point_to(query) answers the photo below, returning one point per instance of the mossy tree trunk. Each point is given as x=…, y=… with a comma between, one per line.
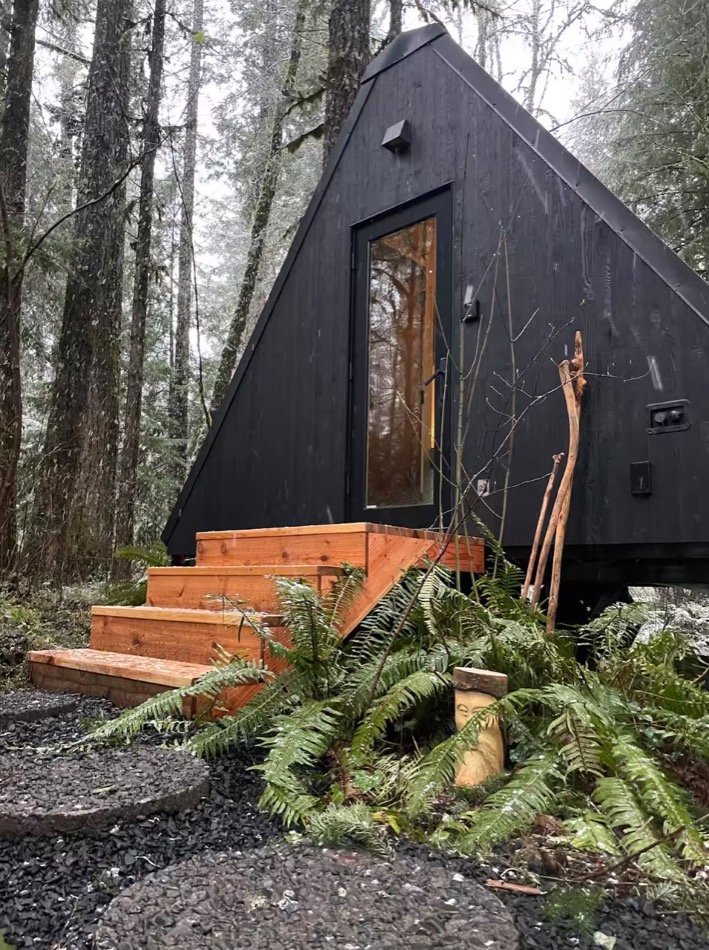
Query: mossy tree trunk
x=14, y=139
x=348, y=54
x=180, y=381
x=74, y=503
x=128, y=471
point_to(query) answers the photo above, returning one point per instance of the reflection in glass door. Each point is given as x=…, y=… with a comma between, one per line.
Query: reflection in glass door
x=401, y=397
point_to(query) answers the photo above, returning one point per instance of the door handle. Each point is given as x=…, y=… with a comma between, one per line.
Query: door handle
x=427, y=382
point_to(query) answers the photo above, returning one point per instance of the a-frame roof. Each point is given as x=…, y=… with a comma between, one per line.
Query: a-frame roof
x=688, y=286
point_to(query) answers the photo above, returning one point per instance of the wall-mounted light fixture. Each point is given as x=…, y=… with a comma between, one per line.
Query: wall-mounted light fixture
x=471, y=306
x=397, y=137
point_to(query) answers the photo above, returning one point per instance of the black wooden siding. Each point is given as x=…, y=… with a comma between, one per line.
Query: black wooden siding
x=279, y=455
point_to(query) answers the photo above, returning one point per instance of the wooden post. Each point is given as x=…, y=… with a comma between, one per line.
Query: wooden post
x=475, y=689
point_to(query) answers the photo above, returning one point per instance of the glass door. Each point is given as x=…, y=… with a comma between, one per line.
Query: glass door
x=402, y=290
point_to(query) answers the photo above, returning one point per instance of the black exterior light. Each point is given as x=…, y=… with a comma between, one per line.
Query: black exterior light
x=397, y=137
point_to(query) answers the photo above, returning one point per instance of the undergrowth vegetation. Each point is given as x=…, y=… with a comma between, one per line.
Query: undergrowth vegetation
x=36, y=620
x=357, y=742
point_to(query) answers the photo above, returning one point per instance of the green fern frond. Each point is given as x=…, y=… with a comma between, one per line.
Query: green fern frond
x=434, y=581
x=291, y=803
x=340, y=596
x=299, y=738
x=531, y=791
x=386, y=617
x=662, y=799
x=674, y=729
x=367, y=683
x=171, y=703
x=609, y=634
x=580, y=738
x=342, y=825
x=219, y=737
x=401, y=698
x=622, y=812
x=385, y=779
x=589, y=833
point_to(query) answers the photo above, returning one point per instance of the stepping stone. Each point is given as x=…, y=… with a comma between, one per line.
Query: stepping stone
x=46, y=793
x=299, y=896
x=30, y=705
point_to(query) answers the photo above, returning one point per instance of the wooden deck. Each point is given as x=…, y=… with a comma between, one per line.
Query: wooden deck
x=136, y=652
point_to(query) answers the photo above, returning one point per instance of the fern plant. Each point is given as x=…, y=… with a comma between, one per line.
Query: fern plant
x=356, y=737
x=132, y=592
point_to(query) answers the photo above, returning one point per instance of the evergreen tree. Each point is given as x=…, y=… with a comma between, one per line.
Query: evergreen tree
x=14, y=140
x=659, y=124
x=82, y=433
x=128, y=474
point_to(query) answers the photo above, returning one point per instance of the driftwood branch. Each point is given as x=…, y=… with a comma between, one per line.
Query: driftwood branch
x=573, y=383
x=571, y=373
x=540, y=525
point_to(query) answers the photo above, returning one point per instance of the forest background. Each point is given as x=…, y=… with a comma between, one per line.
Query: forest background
x=155, y=159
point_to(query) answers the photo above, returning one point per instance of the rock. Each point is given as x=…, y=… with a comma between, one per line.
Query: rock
x=28, y=705
x=690, y=620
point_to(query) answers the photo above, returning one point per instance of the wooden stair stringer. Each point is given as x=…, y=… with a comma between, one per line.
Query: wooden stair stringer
x=389, y=557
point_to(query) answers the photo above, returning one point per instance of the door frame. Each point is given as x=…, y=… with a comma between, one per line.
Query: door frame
x=438, y=204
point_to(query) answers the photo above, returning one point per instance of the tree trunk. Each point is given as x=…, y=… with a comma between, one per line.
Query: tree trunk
x=396, y=17
x=5, y=34
x=262, y=213
x=128, y=472
x=348, y=54
x=179, y=393
x=14, y=139
x=535, y=69
x=71, y=529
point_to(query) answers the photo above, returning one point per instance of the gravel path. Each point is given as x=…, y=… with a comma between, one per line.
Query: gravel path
x=303, y=898
x=54, y=890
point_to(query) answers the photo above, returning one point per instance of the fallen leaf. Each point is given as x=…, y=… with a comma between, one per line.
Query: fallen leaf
x=518, y=888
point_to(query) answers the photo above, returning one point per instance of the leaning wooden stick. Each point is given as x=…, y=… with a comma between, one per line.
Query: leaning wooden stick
x=573, y=383
x=571, y=371
x=540, y=525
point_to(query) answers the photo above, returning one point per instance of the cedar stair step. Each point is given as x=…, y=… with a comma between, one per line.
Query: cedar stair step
x=191, y=611
x=123, y=679
x=178, y=633
x=216, y=587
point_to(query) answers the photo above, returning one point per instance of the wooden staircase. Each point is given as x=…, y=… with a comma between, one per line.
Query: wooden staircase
x=136, y=652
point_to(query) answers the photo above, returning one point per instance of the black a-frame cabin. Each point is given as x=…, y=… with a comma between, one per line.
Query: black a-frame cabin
x=448, y=255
